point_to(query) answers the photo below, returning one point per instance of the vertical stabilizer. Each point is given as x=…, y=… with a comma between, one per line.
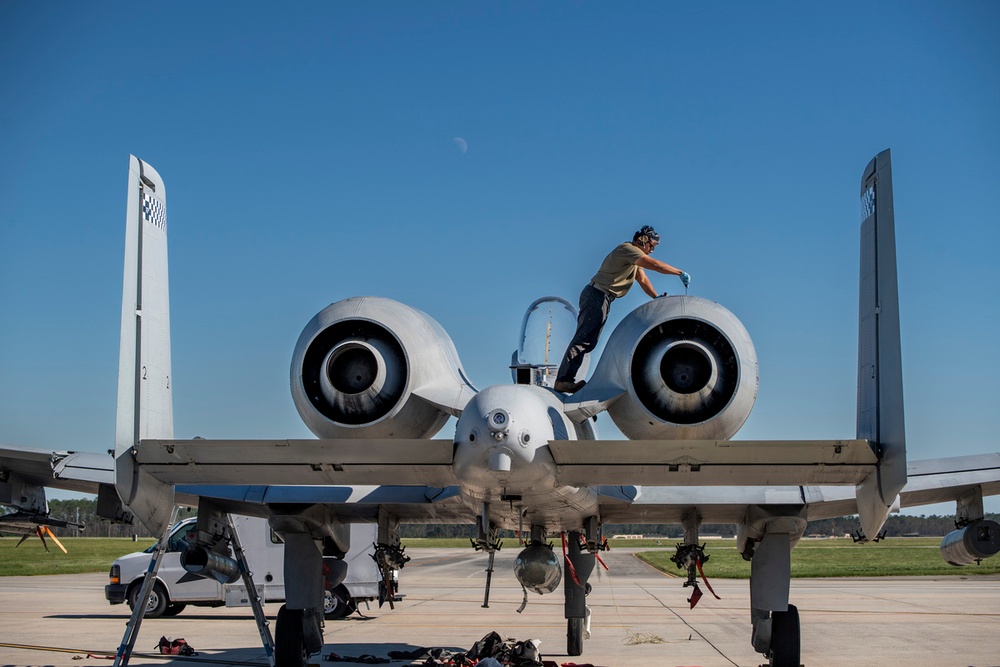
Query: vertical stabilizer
x=880, y=371
x=145, y=404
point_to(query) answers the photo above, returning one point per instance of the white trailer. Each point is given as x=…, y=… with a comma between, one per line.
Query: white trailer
x=175, y=588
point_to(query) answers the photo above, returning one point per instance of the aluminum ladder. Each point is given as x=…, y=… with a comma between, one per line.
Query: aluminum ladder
x=142, y=600
x=256, y=601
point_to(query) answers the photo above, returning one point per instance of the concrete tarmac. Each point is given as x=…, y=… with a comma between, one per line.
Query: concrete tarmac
x=640, y=617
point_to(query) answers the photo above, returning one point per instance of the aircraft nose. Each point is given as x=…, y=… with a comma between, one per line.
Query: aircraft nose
x=498, y=438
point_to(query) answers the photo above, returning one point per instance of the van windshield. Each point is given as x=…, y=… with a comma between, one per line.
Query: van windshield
x=179, y=538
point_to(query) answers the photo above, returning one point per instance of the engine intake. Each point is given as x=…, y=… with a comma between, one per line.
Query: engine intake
x=687, y=369
x=355, y=372
x=370, y=367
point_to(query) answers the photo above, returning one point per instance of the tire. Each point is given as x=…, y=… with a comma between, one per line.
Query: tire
x=289, y=649
x=785, y=638
x=158, y=600
x=174, y=608
x=337, y=603
x=574, y=636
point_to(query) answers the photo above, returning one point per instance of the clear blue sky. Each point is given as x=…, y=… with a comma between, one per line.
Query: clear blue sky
x=310, y=154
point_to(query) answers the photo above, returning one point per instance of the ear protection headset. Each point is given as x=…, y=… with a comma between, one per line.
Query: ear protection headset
x=646, y=235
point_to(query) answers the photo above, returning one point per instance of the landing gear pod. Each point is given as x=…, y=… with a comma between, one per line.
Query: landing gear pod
x=971, y=544
x=537, y=568
x=207, y=563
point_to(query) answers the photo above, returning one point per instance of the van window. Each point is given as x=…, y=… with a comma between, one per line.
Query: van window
x=180, y=539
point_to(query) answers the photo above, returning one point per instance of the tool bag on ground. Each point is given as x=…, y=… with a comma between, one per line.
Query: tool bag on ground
x=177, y=646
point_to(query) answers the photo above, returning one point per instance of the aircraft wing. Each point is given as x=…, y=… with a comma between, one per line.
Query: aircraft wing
x=579, y=462
x=410, y=504
x=73, y=471
x=341, y=462
x=940, y=480
x=929, y=482
x=712, y=462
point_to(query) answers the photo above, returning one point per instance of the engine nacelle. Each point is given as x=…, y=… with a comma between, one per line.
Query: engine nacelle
x=687, y=367
x=370, y=367
x=971, y=544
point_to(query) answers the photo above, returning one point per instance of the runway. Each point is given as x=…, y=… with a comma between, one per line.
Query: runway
x=640, y=617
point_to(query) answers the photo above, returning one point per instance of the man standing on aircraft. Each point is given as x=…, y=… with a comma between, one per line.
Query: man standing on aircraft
x=623, y=266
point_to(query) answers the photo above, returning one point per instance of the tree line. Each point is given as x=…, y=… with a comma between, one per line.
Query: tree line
x=85, y=512
x=897, y=525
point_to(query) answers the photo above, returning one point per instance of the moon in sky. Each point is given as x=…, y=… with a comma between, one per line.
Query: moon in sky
x=462, y=144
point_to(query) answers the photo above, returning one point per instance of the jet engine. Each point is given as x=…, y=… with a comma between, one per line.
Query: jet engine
x=971, y=544
x=686, y=368
x=370, y=367
x=537, y=568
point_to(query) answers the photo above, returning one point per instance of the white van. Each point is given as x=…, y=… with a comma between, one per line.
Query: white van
x=176, y=588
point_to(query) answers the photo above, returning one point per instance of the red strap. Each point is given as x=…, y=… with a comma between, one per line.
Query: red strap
x=598, y=557
x=569, y=563
x=705, y=579
x=695, y=596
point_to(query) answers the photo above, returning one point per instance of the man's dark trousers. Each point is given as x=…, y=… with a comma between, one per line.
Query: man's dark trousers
x=595, y=305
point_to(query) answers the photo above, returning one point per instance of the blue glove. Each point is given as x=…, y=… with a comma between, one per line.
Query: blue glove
x=685, y=278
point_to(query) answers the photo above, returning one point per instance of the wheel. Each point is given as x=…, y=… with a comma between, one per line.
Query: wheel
x=158, y=600
x=337, y=603
x=785, y=638
x=174, y=608
x=289, y=649
x=574, y=636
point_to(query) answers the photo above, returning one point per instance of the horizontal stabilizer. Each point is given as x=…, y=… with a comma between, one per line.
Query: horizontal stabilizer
x=712, y=462
x=312, y=462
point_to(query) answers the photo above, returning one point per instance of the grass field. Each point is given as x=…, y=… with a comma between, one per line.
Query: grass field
x=811, y=558
x=86, y=554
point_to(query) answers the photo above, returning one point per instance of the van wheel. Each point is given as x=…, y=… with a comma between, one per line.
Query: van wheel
x=158, y=600
x=337, y=603
x=174, y=608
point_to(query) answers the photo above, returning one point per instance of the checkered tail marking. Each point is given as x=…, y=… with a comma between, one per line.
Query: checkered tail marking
x=154, y=211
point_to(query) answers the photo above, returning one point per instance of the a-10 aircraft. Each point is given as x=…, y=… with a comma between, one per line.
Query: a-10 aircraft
x=375, y=380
